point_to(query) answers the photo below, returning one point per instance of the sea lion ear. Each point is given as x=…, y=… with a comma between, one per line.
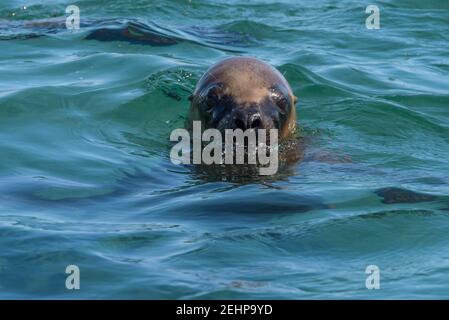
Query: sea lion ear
x=295, y=99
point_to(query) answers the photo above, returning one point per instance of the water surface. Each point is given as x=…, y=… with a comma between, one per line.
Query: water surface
x=86, y=179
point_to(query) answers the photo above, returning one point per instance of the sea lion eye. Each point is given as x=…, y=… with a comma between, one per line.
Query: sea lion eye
x=282, y=104
x=213, y=96
x=280, y=100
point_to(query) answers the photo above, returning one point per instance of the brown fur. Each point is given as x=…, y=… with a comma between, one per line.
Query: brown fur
x=248, y=82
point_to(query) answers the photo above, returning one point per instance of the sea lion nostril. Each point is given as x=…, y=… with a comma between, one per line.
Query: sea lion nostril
x=255, y=122
x=240, y=124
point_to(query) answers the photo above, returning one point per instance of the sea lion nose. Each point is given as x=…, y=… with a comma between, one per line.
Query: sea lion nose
x=255, y=121
x=240, y=121
x=248, y=120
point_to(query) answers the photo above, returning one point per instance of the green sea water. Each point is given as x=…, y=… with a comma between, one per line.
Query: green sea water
x=86, y=178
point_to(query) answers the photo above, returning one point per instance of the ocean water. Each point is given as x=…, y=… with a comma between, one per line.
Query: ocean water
x=86, y=179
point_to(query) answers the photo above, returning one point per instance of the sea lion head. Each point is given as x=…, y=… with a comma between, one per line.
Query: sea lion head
x=244, y=93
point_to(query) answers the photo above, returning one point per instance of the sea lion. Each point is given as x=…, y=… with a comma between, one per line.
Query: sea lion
x=244, y=93
x=131, y=31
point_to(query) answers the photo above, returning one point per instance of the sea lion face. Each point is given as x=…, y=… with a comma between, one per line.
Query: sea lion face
x=244, y=93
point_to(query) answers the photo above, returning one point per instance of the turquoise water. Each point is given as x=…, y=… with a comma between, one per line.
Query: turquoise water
x=86, y=179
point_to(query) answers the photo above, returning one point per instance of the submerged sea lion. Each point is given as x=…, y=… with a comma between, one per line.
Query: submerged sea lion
x=244, y=93
x=124, y=30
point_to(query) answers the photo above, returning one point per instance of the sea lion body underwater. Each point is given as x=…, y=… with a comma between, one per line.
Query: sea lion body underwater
x=244, y=93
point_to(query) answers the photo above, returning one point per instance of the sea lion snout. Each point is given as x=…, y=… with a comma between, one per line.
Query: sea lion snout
x=251, y=118
x=244, y=93
x=246, y=119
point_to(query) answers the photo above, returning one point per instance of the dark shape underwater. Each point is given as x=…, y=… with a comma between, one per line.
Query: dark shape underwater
x=130, y=31
x=398, y=195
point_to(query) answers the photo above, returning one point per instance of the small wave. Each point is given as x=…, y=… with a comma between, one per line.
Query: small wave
x=132, y=31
